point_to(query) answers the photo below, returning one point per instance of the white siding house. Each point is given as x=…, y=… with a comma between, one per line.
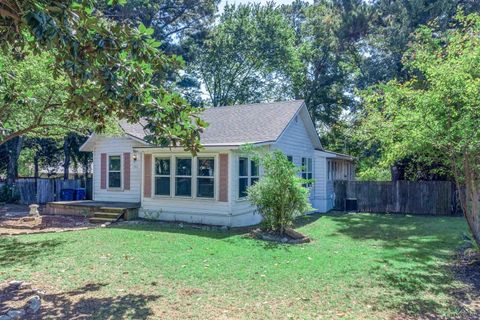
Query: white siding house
x=172, y=185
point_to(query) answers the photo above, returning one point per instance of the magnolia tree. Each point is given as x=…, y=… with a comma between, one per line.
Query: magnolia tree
x=110, y=69
x=279, y=195
x=436, y=114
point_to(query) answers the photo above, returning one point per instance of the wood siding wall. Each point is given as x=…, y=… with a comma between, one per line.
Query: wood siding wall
x=424, y=197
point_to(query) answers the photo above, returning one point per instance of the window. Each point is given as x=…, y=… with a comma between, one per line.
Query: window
x=329, y=171
x=290, y=158
x=248, y=174
x=183, y=177
x=307, y=170
x=206, y=178
x=114, y=172
x=162, y=176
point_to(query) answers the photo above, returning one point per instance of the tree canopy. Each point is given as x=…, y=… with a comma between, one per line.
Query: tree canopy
x=434, y=114
x=111, y=69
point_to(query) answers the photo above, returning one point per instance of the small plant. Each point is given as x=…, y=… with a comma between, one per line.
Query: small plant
x=279, y=195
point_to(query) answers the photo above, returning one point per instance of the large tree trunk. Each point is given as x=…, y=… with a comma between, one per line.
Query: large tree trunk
x=66, y=153
x=468, y=195
x=14, y=149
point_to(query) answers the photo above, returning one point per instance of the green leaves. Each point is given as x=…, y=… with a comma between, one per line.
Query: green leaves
x=110, y=69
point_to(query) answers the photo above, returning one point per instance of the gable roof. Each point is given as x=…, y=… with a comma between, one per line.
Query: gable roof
x=241, y=124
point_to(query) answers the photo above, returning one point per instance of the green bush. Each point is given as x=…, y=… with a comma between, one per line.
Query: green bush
x=279, y=195
x=8, y=194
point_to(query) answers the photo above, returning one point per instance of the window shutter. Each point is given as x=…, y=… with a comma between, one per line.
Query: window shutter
x=126, y=171
x=103, y=171
x=147, y=176
x=223, y=177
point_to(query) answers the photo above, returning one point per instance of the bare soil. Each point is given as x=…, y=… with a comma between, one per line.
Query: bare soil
x=14, y=220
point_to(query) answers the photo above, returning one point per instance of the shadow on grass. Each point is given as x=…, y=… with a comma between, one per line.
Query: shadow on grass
x=413, y=260
x=83, y=303
x=14, y=252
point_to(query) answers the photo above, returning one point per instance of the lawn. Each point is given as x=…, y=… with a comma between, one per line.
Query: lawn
x=359, y=266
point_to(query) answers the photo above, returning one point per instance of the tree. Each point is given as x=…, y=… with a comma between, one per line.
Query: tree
x=112, y=69
x=434, y=115
x=279, y=195
x=329, y=54
x=171, y=21
x=247, y=57
x=33, y=101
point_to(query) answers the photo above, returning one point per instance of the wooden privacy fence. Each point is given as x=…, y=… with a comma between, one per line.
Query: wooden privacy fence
x=46, y=190
x=423, y=197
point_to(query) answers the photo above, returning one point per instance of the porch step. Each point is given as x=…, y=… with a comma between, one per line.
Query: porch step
x=107, y=214
x=112, y=209
x=100, y=220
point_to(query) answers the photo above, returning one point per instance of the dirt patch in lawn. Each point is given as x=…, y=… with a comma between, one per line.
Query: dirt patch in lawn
x=44, y=223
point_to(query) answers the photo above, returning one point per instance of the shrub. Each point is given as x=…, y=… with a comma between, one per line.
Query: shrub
x=279, y=195
x=9, y=194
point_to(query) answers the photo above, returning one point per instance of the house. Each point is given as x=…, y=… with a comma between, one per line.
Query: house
x=170, y=184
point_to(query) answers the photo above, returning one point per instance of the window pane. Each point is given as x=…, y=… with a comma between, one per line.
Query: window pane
x=183, y=187
x=162, y=167
x=304, y=175
x=290, y=158
x=206, y=167
x=253, y=168
x=242, y=187
x=254, y=180
x=205, y=188
x=243, y=167
x=114, y=180
x=184, y=167
x=162, y=186
x=303, y=163
x=114, y=163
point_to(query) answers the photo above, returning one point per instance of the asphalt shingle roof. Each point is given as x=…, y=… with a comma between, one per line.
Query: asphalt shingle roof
x=240, y=124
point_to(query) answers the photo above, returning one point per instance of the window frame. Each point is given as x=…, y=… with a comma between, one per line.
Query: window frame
x=155, y=175
x=194, y=168
x=249, y=176
x=120, y=171
x=305, y=171
x=175, y=176
x=212, y=177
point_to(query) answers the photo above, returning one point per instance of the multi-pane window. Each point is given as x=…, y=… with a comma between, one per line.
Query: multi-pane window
x=114, y=172
x=183, y=177
x=206, y=177
x=162, y=176
x=307, y=170
x=248, y=174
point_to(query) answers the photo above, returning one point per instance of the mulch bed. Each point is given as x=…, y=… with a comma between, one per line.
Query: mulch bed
x=467, y=270
x=289, y=237
x=42, y=223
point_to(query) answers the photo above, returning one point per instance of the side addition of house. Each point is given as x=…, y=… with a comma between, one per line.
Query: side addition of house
x=170, y=184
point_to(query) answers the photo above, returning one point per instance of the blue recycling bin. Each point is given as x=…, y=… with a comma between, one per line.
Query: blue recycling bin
x=80, y=194
x=67, y=194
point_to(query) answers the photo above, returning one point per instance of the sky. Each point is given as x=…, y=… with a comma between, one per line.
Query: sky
x=223, y=2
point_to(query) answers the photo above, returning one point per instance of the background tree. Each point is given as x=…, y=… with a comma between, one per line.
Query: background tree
x=248, y=57
x=434, y=115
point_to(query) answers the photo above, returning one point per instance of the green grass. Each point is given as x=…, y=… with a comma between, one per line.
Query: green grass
x=360, y=266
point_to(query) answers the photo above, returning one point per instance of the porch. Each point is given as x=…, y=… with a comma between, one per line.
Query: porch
x=96, y=211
